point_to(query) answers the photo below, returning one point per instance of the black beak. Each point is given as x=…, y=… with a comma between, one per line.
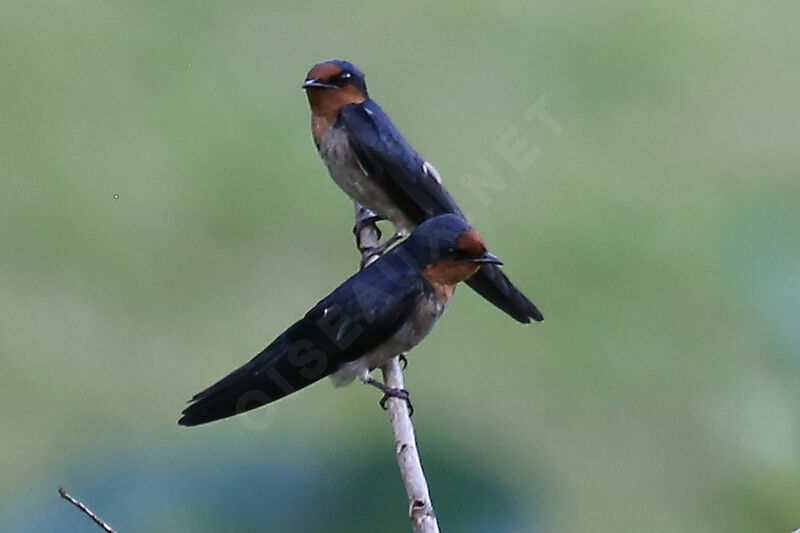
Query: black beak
x=316, y=84
x=488, y=258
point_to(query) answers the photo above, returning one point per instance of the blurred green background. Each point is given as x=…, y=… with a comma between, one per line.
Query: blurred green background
x=164, y=215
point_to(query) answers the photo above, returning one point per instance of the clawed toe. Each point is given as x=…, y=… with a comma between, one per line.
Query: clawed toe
x=401, y=394
x=389, y=392
x=369, y=221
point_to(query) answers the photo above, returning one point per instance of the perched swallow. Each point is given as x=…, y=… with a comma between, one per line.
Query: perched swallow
x=384, y=310
x=373, y=163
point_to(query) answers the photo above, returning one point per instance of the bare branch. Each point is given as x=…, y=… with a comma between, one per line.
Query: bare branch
x=88, y=512
x=420, y=508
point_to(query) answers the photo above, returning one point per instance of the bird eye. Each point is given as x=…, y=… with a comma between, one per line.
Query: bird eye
x=344, y=76
x=451, y=251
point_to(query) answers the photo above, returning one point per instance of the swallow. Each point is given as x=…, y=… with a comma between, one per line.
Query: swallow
x=373, y=163
x=384, y=310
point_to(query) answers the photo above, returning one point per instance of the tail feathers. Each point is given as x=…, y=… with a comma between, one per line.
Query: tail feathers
x=269, y=376
x=491, y=283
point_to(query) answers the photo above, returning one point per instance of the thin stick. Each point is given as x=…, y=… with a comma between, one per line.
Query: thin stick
x=420, y=508
x=88, y=512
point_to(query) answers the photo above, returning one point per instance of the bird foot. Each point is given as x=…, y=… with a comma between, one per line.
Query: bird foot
x=369, y=220
x=391, y=392
x=403, y=361
x=402, y=394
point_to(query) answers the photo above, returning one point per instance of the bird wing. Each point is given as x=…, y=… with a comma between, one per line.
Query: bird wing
x=491, y=283
x=384, y=153
x=353, y=320
x=416, y=188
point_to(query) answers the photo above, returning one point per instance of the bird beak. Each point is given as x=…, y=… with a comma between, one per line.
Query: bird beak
x=316, y=84
x=488, y=258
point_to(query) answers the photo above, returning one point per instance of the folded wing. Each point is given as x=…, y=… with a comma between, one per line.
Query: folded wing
x=356, y=318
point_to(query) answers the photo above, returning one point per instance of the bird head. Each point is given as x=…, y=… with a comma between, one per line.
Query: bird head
x=334, y=84
x=448, y=250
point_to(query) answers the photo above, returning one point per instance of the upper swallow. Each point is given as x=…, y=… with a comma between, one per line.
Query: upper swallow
x=373, y=163
x=383, y=310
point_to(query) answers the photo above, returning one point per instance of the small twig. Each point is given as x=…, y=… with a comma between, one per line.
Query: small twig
x=88, y=512
x=420, y=508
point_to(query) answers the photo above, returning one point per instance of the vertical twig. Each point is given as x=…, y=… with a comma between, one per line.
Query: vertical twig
x=420, y=508
x=88, y=512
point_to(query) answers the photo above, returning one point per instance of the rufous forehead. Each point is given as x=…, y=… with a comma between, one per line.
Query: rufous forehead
x=324, y=71
x=471, y=243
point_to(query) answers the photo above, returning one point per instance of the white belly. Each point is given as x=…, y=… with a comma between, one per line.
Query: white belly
x=417, y=326
x=347, y=172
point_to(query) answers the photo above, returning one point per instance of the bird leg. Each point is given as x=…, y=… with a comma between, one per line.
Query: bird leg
x=366, y=231
x=365, y=218
x=390, y=392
